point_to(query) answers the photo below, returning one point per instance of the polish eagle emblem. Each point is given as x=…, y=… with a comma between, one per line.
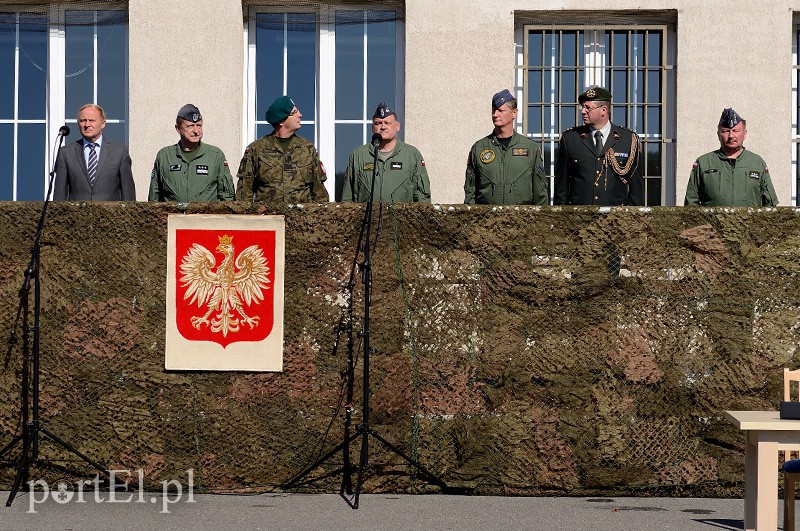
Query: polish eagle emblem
x=226, y=291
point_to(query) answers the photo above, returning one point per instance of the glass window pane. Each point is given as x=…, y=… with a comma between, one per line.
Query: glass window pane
x=619, y=114
x=112, y=67
x=307, y=132
x=653, y=86
x=381, y=59
x=263, y=129
x=637, y=49
x=637, y=89
x=269, y=59
x=568, y=48
x=8, y=39
x=568, y=86
x=118, y=132
x=653, y=153
x=32, y=71
x=31, y=155
x=654, y=48
x=636, y=118
x=567, y=117
x=619, y=84
x=6, y=162
x=535, y=48
x=551, y=87
x=535, y=120
x=301, y=64
x=551, y=49
x=653, y=120
x=349, y=67
x=348, y=137
x=534, y=86
x=620, y=49
x=653, y=192
x=79, y=67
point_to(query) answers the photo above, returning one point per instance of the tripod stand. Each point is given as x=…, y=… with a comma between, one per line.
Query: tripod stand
x=31, y=423
x=363, y=430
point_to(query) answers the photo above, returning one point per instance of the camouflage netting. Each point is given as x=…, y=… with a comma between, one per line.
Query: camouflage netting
x=517, y=350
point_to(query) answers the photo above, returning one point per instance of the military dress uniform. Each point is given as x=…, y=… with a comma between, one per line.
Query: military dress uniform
x=202, y=176
x=499, y=175
x=272, y=173
x=717, y=180
x=400, y=178
x=611, y=179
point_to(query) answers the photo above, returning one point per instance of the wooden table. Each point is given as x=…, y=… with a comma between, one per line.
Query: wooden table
x=767, y=434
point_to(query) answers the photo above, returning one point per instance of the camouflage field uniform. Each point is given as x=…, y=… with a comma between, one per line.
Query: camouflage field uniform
x=269, y=174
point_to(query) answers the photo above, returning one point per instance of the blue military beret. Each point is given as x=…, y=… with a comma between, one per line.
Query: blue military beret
x=279, y=110
x=729, y=118
x=190, y=113
x=383, y=111
x=501, y=98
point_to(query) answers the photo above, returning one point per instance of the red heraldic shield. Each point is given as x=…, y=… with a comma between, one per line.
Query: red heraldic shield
x=225, y=289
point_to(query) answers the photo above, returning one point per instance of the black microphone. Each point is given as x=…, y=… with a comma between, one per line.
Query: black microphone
x=64, y=130
x=376, y=139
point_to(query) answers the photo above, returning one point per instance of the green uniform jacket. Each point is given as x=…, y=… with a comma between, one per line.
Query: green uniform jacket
x=505, y=176
x=269, y=174
x=400, y=178
x=612, y=179
x=717, y=180
x=206, y=178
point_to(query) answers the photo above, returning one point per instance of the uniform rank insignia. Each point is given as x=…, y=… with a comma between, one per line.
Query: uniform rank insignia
x=487, y=156
x=368, y=166
x=397, y=165
x=175, y=167
x=712, y=170
x=519, y=152
x=754, y=174
x=202, y=169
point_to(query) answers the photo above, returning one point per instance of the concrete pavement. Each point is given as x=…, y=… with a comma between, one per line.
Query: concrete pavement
x=376, y=511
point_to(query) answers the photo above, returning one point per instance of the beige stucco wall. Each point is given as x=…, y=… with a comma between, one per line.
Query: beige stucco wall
x=184, y=52
x=459, y=53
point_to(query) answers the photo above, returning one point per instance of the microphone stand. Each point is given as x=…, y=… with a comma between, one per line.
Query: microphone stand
x=31, y=423
x=363, y=430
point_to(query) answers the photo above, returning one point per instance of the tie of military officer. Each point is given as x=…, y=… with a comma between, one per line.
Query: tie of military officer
x=598, y=143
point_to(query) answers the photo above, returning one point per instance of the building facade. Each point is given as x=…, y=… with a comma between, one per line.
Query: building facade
x=671, y=67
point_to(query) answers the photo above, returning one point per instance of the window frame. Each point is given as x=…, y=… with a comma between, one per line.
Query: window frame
x=600, y=64
x=325, y=121
x=55, y=112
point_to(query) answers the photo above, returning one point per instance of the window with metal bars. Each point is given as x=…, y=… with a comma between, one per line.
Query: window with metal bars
x=557, y=63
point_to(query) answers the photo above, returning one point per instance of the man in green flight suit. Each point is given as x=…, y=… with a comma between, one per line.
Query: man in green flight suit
x=599, y=162
x=731, y=175
x=401, y=175
x=282, y=167
x=505, y=168
x=190, y=170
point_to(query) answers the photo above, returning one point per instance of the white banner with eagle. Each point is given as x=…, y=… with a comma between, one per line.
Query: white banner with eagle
x=225, y=292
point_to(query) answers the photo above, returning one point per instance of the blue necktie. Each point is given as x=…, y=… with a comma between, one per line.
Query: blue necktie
x=92, y=166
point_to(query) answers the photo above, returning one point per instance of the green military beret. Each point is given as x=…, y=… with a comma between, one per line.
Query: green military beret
x=594, y=94
x=279, y=110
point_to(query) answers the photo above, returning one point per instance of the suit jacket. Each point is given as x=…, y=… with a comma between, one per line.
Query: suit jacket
x=114, y=177
x=583, y=178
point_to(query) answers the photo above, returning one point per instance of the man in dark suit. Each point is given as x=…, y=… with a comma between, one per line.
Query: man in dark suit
x=93, y=168
x=598, y=163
